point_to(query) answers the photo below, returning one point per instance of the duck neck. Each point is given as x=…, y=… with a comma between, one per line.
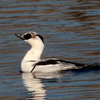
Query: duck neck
x=34, y=54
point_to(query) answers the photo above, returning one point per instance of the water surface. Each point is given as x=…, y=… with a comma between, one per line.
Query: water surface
x=71, y=29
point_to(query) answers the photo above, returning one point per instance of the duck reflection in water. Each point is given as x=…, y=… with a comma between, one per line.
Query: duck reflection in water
x=34, y=85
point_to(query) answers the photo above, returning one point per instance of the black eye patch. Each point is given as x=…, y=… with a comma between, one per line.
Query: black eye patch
x=27, y=36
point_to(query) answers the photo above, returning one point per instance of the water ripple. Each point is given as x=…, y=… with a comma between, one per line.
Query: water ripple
x=71, y=29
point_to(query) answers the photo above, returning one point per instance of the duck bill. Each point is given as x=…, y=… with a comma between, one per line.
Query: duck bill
x=20, y=36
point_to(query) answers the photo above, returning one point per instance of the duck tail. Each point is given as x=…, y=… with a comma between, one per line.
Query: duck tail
x=94, y=66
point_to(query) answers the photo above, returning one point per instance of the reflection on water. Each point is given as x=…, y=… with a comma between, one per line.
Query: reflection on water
x=70, y=86
x=34, y=86
x=71, y=29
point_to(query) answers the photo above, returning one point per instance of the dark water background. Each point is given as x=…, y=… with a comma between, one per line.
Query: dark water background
x=71, y=29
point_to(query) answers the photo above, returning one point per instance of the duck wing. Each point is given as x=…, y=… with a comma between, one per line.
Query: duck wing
x=54, y=62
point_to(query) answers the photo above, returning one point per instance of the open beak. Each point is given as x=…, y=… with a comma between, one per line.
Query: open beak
x=20, y=36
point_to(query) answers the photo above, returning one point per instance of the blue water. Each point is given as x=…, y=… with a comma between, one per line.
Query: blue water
x=71, y=30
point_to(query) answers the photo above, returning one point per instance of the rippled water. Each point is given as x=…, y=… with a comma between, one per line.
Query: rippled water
x=71, y=29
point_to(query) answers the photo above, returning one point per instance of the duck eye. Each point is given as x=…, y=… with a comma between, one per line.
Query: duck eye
x=27, y=36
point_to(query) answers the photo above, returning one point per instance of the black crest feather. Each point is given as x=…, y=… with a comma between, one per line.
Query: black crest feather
x=41, y=38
